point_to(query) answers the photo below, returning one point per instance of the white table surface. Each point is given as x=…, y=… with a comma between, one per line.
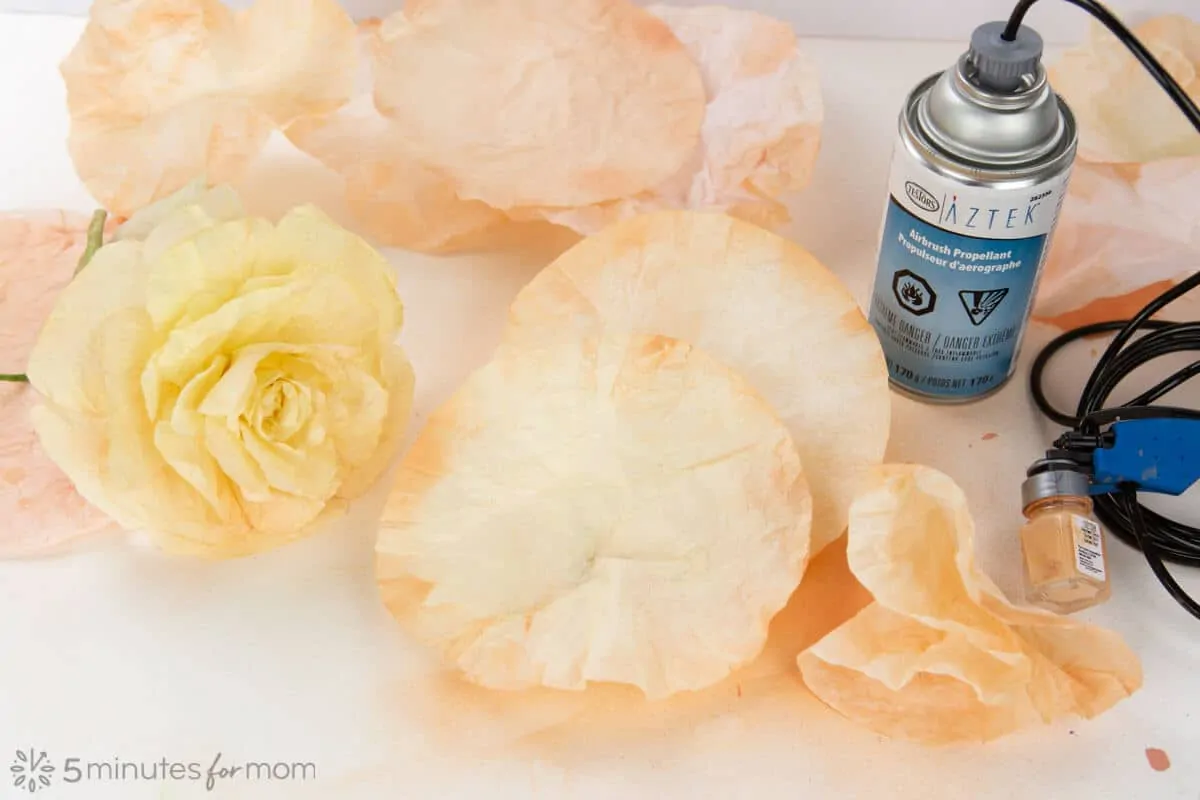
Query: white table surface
x=119, y=652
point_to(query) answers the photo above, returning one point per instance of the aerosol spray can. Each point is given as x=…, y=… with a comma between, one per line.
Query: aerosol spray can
x=978, y=176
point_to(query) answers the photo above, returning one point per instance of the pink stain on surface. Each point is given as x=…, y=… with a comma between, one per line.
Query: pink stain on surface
x=987, y=437
x=1159, y=760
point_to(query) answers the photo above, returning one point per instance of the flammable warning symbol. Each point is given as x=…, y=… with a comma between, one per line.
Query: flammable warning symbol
x=980, y=303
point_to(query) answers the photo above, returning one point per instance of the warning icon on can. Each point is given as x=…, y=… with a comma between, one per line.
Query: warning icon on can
x=913, y=293
x=980, y=303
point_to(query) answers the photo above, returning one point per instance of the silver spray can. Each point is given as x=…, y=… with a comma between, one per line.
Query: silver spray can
x=978, y=177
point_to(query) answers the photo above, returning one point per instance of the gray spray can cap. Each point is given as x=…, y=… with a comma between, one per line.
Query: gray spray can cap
x=999, y=64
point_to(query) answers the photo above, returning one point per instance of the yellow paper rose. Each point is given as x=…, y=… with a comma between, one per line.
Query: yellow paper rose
x=221, y=382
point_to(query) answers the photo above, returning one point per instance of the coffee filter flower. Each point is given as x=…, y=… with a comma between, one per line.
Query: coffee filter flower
x=222, y=382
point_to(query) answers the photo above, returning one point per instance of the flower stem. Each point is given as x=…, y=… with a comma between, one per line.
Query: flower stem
x=95, y=238
x=5, y=378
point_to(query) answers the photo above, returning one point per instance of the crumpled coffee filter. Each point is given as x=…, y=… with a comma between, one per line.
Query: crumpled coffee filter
x=539, y=102
x=616, y=509
x=395, y=198
x=1124, y=116
x=1130, y=227
x=758, y=302
x=761, y=130
x=1127, y=233
x=162, y=92
x=41, y=510
x=758, y=140
x=450, y=120
x=941, y=656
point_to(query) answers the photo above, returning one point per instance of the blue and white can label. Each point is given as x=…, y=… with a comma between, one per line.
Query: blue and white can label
x=958, y=269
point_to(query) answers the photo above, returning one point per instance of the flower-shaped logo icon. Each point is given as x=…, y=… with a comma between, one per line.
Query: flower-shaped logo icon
x=31, y=770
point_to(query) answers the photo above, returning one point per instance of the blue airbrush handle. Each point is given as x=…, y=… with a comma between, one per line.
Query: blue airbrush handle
x=1160, y=455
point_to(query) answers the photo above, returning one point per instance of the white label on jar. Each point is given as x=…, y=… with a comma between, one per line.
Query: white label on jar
x=1089, y=547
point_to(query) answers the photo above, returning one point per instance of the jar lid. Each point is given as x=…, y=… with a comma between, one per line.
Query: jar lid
x=1054, y=483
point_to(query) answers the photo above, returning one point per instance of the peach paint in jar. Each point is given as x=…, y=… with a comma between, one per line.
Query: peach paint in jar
x=1062, y=542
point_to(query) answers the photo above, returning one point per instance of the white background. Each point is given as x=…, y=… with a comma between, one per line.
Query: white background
x=891, y=19
x=120, y=652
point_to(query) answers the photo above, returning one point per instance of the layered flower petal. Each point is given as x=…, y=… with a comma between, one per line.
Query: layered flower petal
x=224, y=383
